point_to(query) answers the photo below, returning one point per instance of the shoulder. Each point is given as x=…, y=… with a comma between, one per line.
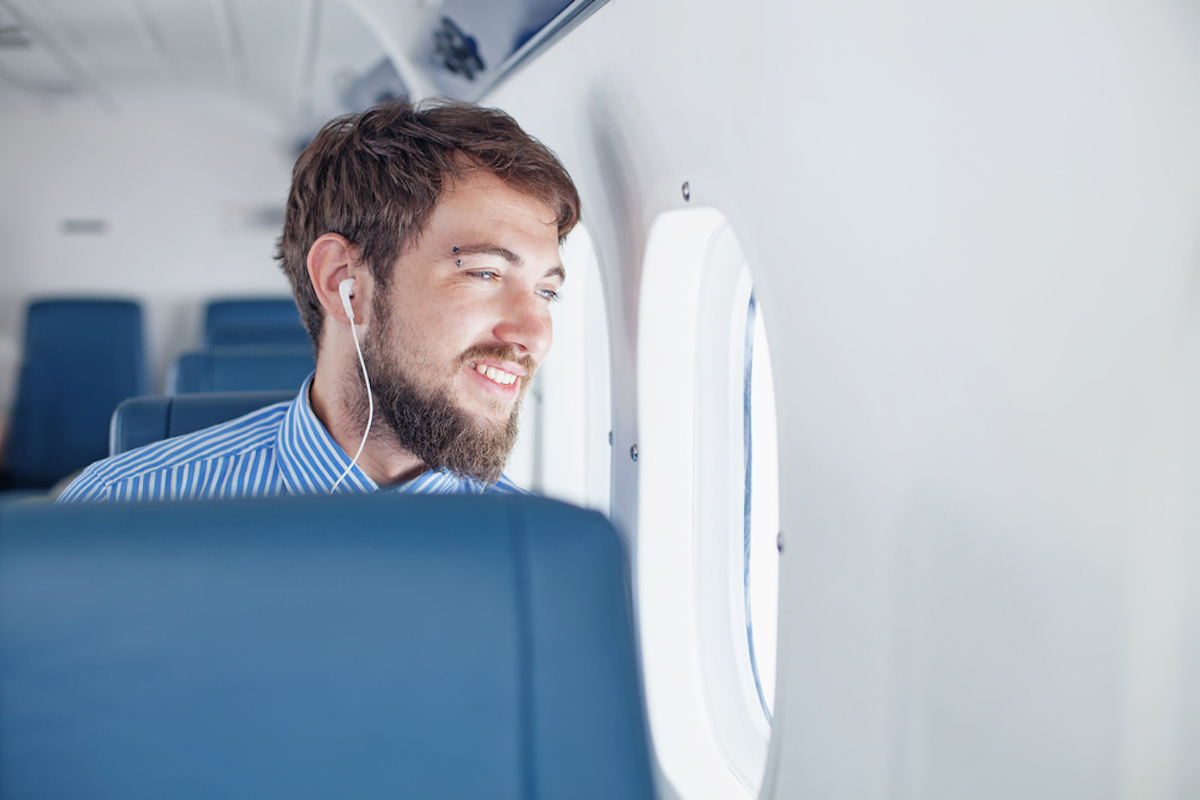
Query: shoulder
x=148, y=472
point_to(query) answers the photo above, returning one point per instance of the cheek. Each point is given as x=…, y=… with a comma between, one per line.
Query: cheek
x=456, y=326
x=455, y=320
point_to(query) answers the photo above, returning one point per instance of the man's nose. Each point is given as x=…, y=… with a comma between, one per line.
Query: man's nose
x=525, y=325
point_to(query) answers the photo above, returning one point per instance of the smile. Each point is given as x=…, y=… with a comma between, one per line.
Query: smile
x=496, y=375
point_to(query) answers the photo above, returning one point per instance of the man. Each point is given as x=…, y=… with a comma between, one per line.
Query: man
x=439, y=228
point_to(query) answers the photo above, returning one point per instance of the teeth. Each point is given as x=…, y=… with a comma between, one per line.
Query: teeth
x=498, y=375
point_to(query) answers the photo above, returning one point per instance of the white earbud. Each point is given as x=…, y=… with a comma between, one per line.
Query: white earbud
x=344, y=291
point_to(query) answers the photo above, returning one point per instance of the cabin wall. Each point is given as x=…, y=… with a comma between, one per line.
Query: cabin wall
x=177, y=187
x=975, y=234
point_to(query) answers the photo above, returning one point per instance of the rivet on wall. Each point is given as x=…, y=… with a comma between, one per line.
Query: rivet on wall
x=84, y=227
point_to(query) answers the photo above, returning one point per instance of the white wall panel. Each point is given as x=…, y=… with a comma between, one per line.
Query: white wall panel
x=974, y=233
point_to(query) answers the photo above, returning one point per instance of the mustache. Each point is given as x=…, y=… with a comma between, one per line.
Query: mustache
x=498, y=352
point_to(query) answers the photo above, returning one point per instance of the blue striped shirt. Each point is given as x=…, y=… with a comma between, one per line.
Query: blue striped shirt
x=280, y=449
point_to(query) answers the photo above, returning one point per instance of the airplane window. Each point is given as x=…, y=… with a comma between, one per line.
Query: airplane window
x=563, y=450
x=762, y=508
x=705, y=563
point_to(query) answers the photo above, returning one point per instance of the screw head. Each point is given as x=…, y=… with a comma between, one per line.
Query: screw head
x=633, y=452
x=687, y=191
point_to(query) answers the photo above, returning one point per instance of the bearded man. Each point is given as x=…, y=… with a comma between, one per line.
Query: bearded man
x=428, y=238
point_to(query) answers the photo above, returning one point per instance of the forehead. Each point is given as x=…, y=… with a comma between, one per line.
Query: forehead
x=479, y=200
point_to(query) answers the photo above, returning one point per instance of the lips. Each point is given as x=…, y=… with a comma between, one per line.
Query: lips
x=499, y=371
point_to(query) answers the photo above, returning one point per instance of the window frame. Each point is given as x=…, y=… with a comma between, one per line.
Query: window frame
x=711, y=736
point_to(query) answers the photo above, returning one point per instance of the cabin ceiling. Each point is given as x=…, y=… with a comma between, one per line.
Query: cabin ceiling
x=292, y=61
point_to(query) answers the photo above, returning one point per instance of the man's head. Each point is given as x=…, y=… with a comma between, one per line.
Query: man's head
x=376, y=177
x=458, y=334
x=453, y=217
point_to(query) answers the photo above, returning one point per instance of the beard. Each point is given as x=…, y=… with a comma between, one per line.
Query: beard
x=425, y=420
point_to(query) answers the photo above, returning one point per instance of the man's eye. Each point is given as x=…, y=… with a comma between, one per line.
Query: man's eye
x=484, y=275
x=549, y=294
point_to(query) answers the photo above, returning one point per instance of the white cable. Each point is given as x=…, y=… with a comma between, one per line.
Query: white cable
x=370, y=409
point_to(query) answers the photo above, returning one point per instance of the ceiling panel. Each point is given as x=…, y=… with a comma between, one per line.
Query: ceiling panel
x=271, y=35
x=109, y=40
x=190, y=29
x=253, y=55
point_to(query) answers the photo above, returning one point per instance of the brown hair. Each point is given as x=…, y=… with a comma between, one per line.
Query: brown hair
x=376, y=177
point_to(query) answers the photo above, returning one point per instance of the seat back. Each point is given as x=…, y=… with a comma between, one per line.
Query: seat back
x=350, y=646
x=242, y=370
x=143, y=420
x=81, y=358
x=254, y=321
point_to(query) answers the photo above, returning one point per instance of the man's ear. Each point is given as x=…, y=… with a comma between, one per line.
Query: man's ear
x=331, y=260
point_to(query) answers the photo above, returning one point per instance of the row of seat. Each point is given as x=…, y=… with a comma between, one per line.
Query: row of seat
x=81, y=358
x=242, y=369
x=84, y=356
x=249, y=345
x=357, y=646
x=140, y=421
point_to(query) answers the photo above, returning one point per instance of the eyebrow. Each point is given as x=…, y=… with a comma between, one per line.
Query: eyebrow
x=509, y=256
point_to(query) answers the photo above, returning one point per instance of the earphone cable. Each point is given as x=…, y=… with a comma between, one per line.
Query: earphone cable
x=370, y=409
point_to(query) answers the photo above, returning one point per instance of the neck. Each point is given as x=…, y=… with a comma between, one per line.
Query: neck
x=334, y=402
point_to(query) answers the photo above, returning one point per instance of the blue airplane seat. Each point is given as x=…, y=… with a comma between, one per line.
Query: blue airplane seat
x=238, y=322
x=81, y=358
x=143, y=420
x=351, y=646
x=242, y=369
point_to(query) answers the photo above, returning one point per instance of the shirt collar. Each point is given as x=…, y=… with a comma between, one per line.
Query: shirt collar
x=310, y=459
